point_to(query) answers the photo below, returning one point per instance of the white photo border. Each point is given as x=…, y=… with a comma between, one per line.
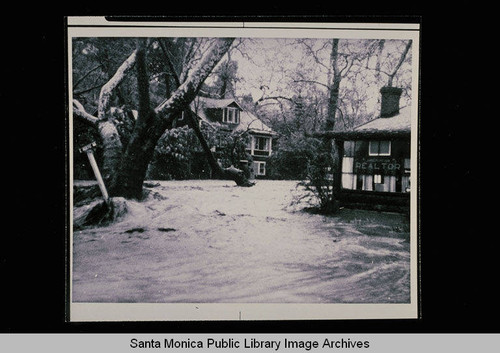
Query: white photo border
x=124, y=312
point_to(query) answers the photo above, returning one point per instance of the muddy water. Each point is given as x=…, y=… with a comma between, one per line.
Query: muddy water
x=210, y=241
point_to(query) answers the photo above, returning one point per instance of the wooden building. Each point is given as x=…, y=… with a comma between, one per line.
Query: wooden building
x=376, y=165
x=227, y=116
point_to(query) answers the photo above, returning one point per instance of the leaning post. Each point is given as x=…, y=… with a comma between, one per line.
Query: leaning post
x=89, y=149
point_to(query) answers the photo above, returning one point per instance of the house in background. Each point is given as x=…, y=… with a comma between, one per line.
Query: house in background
x=376, y=165
x=228, y=116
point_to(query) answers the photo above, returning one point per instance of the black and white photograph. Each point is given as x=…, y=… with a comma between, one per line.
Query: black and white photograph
x=248, y=171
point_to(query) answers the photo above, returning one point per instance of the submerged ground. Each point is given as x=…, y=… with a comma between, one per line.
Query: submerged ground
x=211, y=241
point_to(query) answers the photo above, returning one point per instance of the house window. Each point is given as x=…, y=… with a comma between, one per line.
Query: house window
x=378, y=179
x=259, y=168
x=231, y=115
x=379, y=148
x=262, y=143
x=262, y=168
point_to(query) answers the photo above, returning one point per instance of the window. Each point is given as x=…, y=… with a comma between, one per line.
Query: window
x=379, y=148
x=260, y=146
x=231, y=115
x=378, y=179
x=379, y=183
x=262, y=143
x=259, y=168
x=262, y=168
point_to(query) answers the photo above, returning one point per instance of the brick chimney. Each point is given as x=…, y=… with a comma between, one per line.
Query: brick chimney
x=390, y=101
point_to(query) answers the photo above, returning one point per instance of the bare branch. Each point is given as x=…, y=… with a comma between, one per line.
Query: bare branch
x=241, y=42
x=80, y=112
x=88, y=89
x=312, y=81
x=85, y=76
x=189, y=58
x=347, y=67
x=117, y=78
x=380, y=48
x=401, y=60
x=314, y=53
x=379, y=70
x=169, y=62
x=188, y=90
x=276, y=98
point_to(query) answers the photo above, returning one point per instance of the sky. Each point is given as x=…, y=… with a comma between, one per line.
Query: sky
x=261, y=63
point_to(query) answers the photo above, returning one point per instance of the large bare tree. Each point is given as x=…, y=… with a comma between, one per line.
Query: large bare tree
x=124, y=164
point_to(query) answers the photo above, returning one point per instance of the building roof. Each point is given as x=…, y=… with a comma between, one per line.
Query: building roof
x=215, y=102
x=398, y=123
x=397, y=126
x=248, y=121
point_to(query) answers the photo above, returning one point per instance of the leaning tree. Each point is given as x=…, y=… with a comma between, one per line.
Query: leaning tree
x=125, y=161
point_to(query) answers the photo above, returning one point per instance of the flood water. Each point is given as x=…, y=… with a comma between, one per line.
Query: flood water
x=213, y=242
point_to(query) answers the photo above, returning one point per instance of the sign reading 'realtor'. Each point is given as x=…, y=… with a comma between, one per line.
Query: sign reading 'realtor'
x=377, y=165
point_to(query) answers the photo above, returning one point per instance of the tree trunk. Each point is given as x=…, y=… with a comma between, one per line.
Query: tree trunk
x=151, y=124
x=134, y=164
x=329, y=145
x=112, y=150
x=231, y=173
x=333, y=93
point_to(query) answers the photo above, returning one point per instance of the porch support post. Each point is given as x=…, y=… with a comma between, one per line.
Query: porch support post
x=337, y=177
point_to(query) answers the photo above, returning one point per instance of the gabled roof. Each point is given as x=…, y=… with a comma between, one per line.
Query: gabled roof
x=215, y=102
x=248, y=121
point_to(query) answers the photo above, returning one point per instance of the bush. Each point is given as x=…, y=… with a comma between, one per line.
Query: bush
x=179, y=155
x=290, y=161
x=320, y=180
x=174, y=155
